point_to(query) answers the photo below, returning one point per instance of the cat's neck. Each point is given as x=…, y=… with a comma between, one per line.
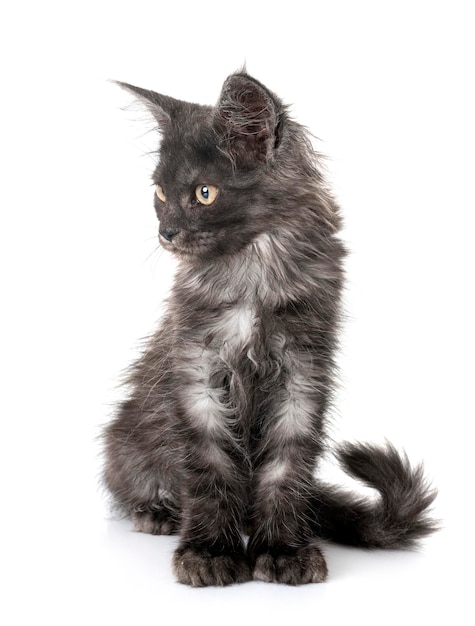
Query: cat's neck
x=270, y=272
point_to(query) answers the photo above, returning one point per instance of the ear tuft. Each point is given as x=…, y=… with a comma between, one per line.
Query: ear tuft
x=163, y=108
x=246, y=119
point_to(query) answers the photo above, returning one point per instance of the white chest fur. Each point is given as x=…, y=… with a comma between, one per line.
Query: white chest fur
x=236, y=326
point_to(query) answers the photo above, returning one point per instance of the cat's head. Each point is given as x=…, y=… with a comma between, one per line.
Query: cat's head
x=224, y=175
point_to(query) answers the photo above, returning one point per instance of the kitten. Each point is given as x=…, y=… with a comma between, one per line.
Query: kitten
x=222, y=431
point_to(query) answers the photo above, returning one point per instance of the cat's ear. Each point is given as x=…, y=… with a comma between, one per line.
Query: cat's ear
x=163, y=108
x=246, y=119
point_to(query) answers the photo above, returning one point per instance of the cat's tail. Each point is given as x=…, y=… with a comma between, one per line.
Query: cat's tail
x=397, y=518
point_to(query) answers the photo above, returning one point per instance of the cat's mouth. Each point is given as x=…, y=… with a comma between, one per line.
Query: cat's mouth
x=187, y=244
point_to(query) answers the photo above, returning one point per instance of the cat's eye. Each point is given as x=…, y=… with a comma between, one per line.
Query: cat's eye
x=160, y=193
x=206, y=194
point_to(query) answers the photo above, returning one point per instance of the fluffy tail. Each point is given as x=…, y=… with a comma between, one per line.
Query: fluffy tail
x=395, y=520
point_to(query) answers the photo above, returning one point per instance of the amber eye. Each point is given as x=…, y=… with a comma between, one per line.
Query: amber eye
x=160, y=193
x=206, y=194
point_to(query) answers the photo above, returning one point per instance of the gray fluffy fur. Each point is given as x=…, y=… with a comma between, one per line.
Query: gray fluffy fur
x=225, y=423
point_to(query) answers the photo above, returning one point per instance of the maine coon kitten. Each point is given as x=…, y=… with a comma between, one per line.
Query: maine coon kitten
x=224, y=425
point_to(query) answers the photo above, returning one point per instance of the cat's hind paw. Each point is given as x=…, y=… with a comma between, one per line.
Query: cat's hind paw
x=200, y=568
x=291, y=566
x=160, y=521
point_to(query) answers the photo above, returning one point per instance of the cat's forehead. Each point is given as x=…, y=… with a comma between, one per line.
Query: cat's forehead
x=192, y=121
x=190, y=144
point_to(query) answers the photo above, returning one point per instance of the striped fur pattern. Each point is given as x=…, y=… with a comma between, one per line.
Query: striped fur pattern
x=220, y=436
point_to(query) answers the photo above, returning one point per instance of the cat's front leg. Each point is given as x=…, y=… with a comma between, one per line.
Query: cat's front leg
x=211, y=550
x=281, y=546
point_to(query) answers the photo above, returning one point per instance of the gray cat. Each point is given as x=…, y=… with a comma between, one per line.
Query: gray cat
x=221, y=434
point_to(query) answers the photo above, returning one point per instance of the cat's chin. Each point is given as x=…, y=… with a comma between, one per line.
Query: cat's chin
x=200, y=250
x=177, y=249
x=189, y=253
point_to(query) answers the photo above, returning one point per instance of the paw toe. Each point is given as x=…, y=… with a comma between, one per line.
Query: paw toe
x=200, y=569
x=157, y=522
x=294, y=567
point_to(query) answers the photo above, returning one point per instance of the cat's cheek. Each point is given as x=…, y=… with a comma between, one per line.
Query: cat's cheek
x=158, y=206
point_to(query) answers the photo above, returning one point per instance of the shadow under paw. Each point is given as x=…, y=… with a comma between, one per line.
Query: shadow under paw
x=157, y=522
x=200, y=568
x=291, y=566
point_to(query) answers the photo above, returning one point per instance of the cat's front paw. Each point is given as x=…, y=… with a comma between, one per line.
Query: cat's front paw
x=200, y=568
x=295, y=566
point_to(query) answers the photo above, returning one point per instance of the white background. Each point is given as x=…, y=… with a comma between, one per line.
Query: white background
x=388, y=88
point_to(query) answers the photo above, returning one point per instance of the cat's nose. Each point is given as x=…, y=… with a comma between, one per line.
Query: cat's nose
x=168, y=234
